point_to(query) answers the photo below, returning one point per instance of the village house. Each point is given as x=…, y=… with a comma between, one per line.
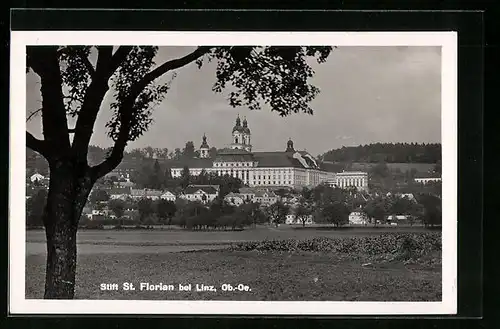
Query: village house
x=145, y=194
x=119, y=193
x=427, y=178
x=247, y=193
x=36, y=177
x=235, y=199
x=408, y=196
x=168, y=195
x=266, y=198
x=358, y=218
x=397, y=218
x=291, y=219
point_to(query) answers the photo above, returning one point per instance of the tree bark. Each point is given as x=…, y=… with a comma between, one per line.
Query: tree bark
x=68, y=193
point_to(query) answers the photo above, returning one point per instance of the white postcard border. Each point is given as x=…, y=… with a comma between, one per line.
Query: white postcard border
x=18, y=304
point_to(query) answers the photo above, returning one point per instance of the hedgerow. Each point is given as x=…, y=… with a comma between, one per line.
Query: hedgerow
x=405, y=245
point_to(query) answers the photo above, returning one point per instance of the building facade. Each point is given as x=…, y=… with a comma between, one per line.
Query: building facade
x=358, y=218
x=426, y=180
x=288, y=168
x=200, y=193
x=347, y=179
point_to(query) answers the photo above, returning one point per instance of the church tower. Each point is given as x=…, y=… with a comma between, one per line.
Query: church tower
x=241, y=136
x=204, y=148
x=289, y=146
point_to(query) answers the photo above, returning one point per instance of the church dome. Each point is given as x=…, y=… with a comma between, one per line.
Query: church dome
x=289, y=146
x=204, y=144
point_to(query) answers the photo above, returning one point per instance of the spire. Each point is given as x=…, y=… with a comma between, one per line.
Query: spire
x=204, y=143
x=246, y=130
x=237, y=126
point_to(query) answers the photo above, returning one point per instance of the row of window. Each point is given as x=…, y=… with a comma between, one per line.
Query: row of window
x=229, y=164
x=273, y=183
x=352, y=182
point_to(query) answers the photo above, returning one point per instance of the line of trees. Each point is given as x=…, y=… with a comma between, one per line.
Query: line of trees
x=333, y=206
x=384, y=180
x=387, y=152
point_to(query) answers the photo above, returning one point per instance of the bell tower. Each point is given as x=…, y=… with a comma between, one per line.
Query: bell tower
x=241, y=136
x=204, y=148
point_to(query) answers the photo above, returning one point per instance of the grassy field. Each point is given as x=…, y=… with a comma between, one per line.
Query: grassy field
x=183, y=237
x=181, y=257
x=269, y=275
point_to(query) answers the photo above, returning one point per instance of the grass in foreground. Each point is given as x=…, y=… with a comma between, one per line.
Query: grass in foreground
x=270, y=275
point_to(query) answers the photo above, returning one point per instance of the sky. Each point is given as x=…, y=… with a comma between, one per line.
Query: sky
x=367, y=95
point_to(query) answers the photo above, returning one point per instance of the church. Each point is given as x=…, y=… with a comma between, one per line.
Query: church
x=287, y=168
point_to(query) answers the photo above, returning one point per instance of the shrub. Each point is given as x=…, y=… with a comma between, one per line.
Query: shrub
x=93, y=226
x=406, y=245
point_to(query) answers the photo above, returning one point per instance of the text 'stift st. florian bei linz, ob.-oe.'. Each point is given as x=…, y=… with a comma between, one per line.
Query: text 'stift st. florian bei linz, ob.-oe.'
x=146, y=286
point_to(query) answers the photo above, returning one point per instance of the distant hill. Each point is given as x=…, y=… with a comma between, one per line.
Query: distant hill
x=386, y=152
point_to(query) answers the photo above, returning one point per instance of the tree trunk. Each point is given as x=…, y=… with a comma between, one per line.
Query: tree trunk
x=67, y=196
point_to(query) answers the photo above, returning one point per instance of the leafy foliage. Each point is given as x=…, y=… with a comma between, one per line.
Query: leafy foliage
x=277, y=212
x=99, y=195
x=166, y=210
x=34, y=208
x=432, y=213
x=335, y=212
x=275, y=76
x=137, y=64
x=303, y=211
x=387, y=152
x=146, y=208
x=76, y=72
x=117, y=207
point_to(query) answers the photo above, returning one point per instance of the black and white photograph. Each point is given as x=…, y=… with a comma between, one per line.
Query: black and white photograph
x=233, y=173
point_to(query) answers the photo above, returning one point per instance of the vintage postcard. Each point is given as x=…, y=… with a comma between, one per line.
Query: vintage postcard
x=265, y=173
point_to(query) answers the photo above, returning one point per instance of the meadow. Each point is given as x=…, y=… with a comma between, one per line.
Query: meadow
x=275, y=264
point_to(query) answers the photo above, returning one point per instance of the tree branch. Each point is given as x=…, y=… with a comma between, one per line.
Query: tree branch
x=111, y=162
x=32, y=114
x=173, y=64
x=37, y=145
x=125, y=111
x=107, y=63
x=44, y=62
x=118, y=57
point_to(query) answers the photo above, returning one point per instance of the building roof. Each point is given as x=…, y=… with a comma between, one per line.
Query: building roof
x=118, y=190
x=193, y=163
x=234, y=195
x=279, y=159
x=247, y=190
x=261, y=193
x=285, y=159
x=349, y=173
x=194, y=189
x=145, y=192
x=216, y=187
